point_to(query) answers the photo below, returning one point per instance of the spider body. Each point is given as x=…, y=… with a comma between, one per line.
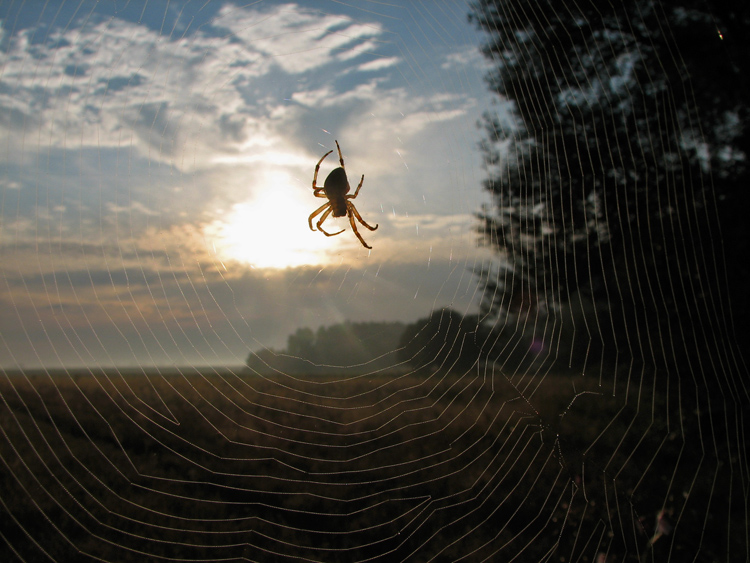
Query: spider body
x=336, y=189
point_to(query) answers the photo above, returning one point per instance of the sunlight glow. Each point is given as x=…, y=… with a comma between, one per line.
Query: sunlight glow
x=271, y=231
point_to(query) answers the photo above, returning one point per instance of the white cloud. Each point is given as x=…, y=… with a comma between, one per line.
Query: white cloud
x=313, y=98
x=200, y=100
x=9, y=185
x=295, y=39
x=469, y=57
x=379, y=64
x=368, y=46
x=134, y=207
x=117, y=83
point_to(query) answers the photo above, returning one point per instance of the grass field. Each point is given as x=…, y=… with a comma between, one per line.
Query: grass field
x=225, y=465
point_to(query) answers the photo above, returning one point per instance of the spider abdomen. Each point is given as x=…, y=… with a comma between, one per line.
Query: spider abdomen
x=336, y=187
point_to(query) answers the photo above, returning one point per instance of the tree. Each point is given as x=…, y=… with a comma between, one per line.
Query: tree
x=446, y=339
x=302, y=344
x=624, y=149
x=341, y=348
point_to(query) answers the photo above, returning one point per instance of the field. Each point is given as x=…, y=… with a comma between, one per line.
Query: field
x=225, y=465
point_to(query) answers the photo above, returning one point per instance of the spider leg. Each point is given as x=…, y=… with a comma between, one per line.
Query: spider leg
x=320, y=224
x=341, y=158
x=357, y=190
x=356, y=232
x=353, y=210
x=317, y=167
x=320, y=192
x=316, y=212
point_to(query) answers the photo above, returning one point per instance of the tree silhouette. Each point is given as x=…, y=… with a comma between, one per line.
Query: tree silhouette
x=445, y=339
x=341, y=348
x=302, y=344
x=620, y=164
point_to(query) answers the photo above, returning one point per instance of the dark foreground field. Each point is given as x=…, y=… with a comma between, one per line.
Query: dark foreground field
x=213, y=465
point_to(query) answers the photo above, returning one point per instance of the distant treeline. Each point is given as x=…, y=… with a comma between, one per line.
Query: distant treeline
x=445, y=340
x=346, y=347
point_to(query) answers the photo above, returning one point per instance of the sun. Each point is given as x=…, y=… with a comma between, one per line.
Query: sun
x=271, y=230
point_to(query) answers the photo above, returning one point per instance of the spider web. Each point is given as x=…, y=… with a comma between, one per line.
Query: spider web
x=191, y=374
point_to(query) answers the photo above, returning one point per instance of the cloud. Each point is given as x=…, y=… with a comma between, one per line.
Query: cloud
x=468, y=58
x=10, y=185
x=379, y=64
x=117, y=83
x=294, y=38
x=354, y=51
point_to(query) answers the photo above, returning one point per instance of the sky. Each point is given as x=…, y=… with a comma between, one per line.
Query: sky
x=156, y=161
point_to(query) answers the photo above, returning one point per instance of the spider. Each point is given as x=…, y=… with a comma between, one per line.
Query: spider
x=335, y=189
